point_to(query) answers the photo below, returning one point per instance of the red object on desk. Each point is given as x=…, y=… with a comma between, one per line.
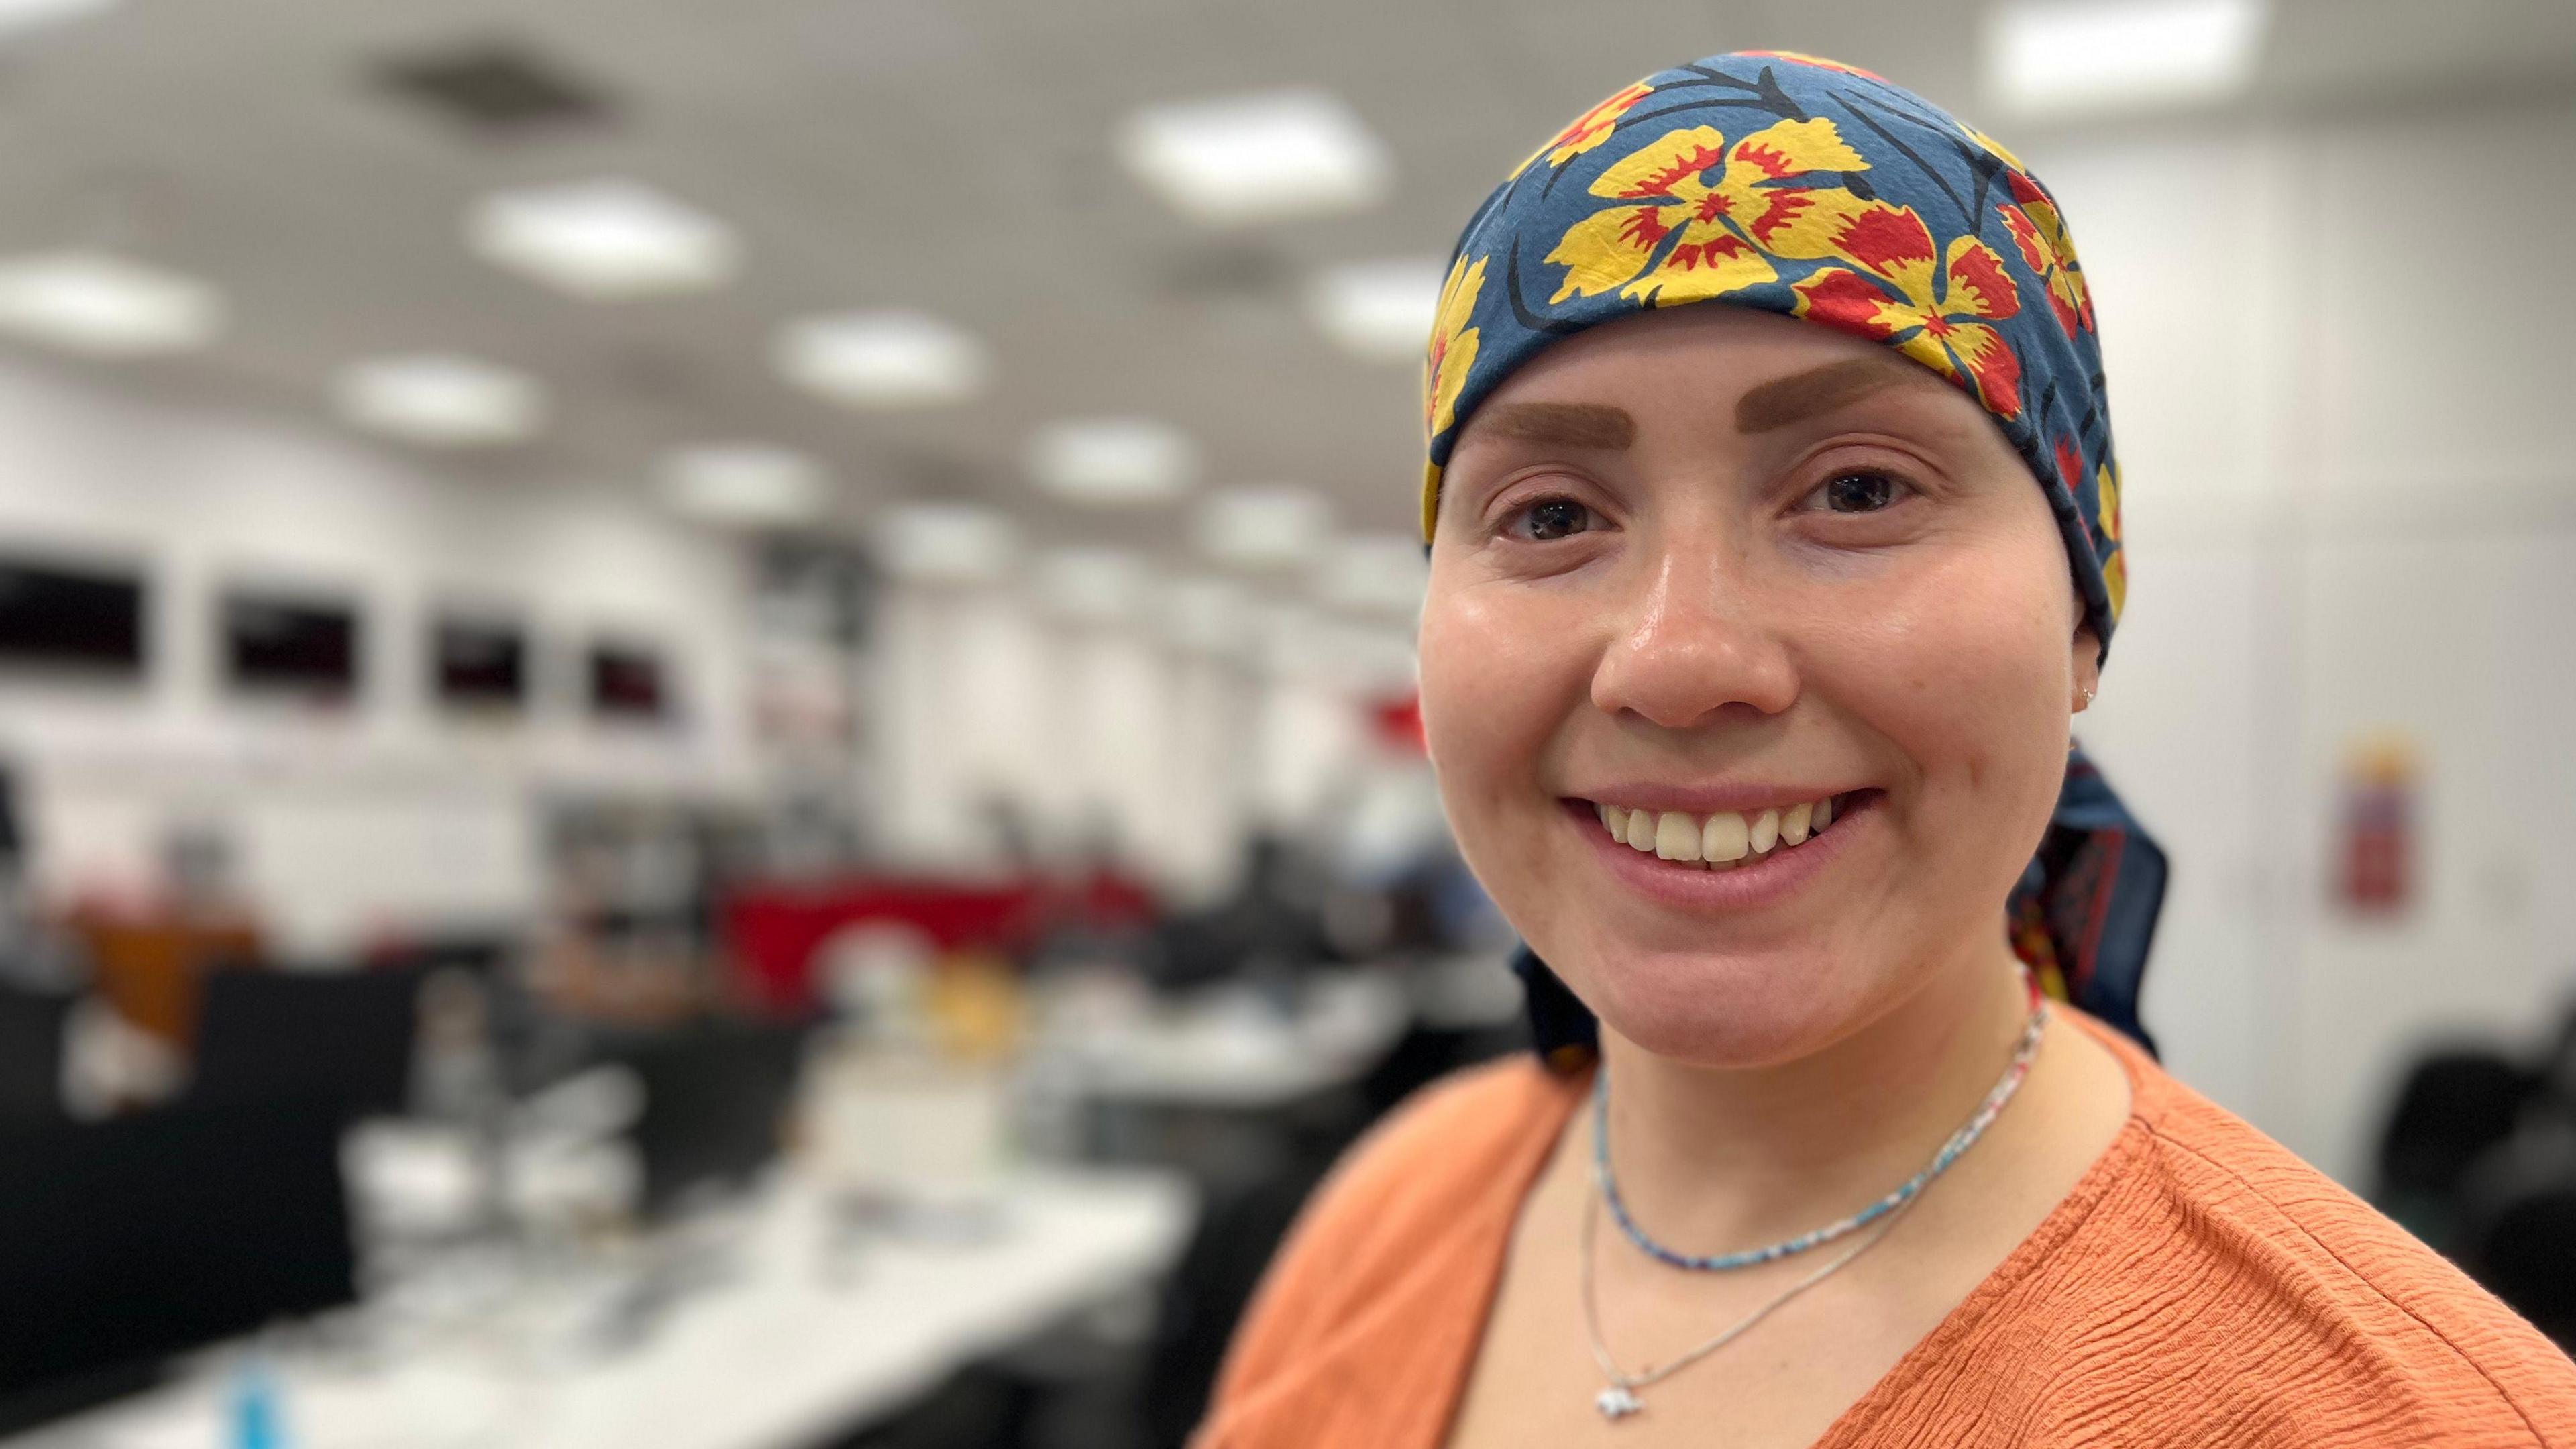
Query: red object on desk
x=775, y=931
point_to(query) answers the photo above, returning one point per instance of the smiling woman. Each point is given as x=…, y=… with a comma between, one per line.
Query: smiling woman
x=1753, y=638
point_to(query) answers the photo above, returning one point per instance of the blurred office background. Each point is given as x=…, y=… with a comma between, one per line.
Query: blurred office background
x=706, y=712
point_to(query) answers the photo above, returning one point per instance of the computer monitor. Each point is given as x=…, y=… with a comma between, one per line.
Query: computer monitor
x=126, y=1242
x=291, y=644
x=715, y=1104
x=343, y=1035
x=72, y=616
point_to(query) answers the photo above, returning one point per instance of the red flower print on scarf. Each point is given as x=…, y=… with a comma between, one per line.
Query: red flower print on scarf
x=1933, y=307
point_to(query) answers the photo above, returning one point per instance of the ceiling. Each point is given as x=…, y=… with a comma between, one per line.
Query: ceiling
x=946, y=155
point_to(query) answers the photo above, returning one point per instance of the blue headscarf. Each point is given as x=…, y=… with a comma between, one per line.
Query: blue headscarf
x=1799, y=186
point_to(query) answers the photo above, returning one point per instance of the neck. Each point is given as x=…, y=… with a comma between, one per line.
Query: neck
x=1715, y=1159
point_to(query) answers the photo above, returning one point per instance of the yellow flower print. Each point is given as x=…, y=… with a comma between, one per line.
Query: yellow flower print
x=2039, y=233
x=1589, y=129
x=1453, y=346
x=2115, y=569
x=1728, y=230
x=1943, y=304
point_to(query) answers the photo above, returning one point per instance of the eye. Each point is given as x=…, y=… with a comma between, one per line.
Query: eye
x=1861, y=491
x=1548, y=519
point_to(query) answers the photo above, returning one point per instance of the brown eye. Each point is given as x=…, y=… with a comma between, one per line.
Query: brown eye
x=1553, y=518
x=1859, y=492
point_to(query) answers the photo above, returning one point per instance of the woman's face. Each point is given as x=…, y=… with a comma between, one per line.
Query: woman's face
x=1710, y=564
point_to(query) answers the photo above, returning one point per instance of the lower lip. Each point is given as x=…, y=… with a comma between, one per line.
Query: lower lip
x=1765, y=882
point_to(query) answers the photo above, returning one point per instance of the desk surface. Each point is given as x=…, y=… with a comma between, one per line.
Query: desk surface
x=783, y=1350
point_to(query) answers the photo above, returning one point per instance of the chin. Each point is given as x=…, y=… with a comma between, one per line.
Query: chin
x=1730, y=1011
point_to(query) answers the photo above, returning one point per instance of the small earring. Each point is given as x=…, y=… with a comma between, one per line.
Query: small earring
x=2088, y=698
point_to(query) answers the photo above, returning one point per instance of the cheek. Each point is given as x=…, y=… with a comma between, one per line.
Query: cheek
x=1501, y=676
x=1964, y=670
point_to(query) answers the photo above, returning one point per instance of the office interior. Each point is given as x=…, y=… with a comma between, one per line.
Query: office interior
x=707, y=721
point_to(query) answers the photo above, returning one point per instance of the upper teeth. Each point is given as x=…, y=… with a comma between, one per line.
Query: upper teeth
x=1716, y=841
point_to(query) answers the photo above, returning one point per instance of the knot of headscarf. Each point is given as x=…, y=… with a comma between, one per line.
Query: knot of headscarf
x=1821, y=192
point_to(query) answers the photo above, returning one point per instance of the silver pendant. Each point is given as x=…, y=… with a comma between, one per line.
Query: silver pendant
x=1617, y=1402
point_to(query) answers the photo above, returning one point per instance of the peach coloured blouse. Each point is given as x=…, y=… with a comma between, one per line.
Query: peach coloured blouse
x=2199, y=1286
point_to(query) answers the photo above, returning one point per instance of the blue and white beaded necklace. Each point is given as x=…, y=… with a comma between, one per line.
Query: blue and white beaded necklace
x=1960, y=1141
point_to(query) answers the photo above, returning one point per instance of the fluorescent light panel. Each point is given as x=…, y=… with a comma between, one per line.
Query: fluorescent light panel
x=1207, y=615
x=1092, y=585
x=748, y=485
x=20, y=16
x=1374, y=573
x=946, y=543
x=1379, y=310
x=2069, y=57
x=603, y=240
x=1273, y=527
x=106, y=306
x=441, y=400
x=1113, y=462
x=882, y=359
x=1259, y=157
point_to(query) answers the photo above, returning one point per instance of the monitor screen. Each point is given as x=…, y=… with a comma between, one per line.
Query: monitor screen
x=626, y=682
x=57, y=615
x=479, y=662
x=277, y=642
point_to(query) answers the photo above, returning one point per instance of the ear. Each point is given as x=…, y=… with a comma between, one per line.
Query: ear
x=2087, y=661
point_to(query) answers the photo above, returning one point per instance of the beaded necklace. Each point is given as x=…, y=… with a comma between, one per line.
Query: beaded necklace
x=1960, y=1141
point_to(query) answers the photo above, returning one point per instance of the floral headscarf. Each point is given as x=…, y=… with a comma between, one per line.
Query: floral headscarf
x=1795, y=185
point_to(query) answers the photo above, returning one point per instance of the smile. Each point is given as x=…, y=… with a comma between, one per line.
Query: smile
x=1721, y=841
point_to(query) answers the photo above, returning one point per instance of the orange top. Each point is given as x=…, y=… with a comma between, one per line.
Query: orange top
x=2199, y=1286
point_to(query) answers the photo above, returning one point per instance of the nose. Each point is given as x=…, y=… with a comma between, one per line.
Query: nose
x=1693, y=647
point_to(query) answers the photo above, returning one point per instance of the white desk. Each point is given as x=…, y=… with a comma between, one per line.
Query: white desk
x=1227, y=1049
x=776, y=1356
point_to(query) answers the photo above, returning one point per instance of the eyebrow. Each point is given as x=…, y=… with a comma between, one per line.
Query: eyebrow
x=1572, y=425
x=1819, y=390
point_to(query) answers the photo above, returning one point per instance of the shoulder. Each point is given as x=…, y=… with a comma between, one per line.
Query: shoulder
x=2216, y=1278
x=1404, y=1216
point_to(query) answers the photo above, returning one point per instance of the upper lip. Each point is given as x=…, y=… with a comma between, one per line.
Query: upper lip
x=1743, y=798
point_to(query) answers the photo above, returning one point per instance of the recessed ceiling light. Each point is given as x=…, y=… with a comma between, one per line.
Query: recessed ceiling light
x=2062, y=57
x=1375, y=573
x=603, y=239
x=746, y=485
x=1092, y=585
x=1113, y=462
x=106, y=306
x=17, y=16
x=1380, y=310
x=882, y=359
x=441, y=400
x=1264, y=527
x=1257, y=157
x=946, y=543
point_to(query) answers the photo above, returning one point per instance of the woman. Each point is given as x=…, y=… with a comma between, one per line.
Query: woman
x=1748, y=663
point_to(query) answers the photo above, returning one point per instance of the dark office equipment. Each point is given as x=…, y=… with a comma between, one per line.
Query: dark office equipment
x=345, y=1036
x=626, y=682
x=479, y=663
x=273, y=642
x=123, y=1243
x=2518, y=1225
x=715, y=1103
x=2454, y=1106
x=31, y=1055
x=74, y=617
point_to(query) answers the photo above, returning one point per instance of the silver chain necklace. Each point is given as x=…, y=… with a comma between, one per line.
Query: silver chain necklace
x=1619, y=1399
